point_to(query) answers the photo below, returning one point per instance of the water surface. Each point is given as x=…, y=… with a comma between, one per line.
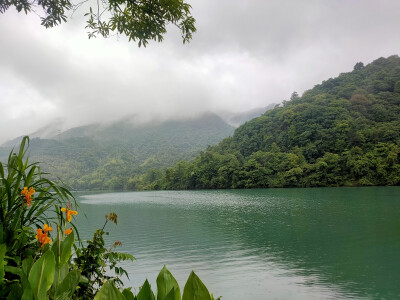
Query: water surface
x=328, y=243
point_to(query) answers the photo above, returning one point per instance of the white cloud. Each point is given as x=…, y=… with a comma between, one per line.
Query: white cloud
x=245, y=54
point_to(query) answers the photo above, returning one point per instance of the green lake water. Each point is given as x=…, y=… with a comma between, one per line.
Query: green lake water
x=325, y=243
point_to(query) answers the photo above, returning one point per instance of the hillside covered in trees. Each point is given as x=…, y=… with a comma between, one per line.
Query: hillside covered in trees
x=109, y=156
x=343, y=132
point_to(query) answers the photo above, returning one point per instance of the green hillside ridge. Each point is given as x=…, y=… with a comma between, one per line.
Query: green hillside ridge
x=108, y=157
x=343, y=132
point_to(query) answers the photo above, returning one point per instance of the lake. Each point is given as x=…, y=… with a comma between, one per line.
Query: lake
x=320, y=243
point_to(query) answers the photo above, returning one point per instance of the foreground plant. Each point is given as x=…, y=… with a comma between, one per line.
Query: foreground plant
x=167, y=289
x=40, y=267
x=93, y=260
x=26, y=201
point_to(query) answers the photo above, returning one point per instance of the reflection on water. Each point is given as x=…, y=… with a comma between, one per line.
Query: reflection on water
x=332, y=243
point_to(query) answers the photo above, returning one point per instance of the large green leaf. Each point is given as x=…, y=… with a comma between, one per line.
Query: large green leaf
x=68, y=285
x=63, y=249
x=195, y=289
x=165, y=283
x=109, y=292
x=60, y=274
x=128, y=294
x=41, y=275
x=3, y=250
x=171, y=295
x=145, y=292
x=26, y=268
x=28, y=294
x=66, y=248
x=62, y=252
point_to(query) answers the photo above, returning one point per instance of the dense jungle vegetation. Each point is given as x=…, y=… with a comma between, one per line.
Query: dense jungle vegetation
x=343, y=132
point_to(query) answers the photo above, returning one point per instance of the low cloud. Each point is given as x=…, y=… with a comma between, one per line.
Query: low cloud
x=245, y=54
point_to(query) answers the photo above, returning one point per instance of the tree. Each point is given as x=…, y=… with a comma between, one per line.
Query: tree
x=139, y=20
x=294, y=96
x=397, y=87
x=358, y=66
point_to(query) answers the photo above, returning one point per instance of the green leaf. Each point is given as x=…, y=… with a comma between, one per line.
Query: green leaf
x=13, y=270
x=15, y=292
x=195, y=289
x=1, y=170
x=145, y=292
x=3, y=250
x=83, y=279
x=1, y=233
x=165, y=283
x=66, y=248
x=60, y=274
x=62, y=250
x=128, y=294
x=26, y=268
x=28, y=294
x=22, y=146
x=109, y=291
x=171, y=295
x=68, y=285
x=41, y=275
x=8, y=190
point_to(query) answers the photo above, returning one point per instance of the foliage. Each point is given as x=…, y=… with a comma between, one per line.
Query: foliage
x=20, y=210
x=345, y=131
x=42, y=267
x=166, y=283
x=93, y=259
x=139, y=20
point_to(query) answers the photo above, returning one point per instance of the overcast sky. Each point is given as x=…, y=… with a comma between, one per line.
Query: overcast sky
x=246, y=54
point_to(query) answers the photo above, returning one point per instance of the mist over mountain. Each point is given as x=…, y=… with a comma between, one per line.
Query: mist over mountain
x=344, y=131
x=123, y=127
x=105, y=156
x=237, y=119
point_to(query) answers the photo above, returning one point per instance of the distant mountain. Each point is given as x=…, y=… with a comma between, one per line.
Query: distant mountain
x=108, y=156
x=344, y=131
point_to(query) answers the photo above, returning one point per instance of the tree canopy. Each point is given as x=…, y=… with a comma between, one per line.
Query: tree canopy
x=139, y=20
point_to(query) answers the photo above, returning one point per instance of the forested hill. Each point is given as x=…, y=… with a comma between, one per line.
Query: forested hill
x=345, y=131
x=109, y=156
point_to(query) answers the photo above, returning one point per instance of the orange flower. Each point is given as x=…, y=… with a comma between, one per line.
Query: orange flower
x=47, y=228
x=42, y=237
x=117, y=243
x=24, y=191
x=112, y=217
x=69, y=213
x=28, y=195
x=68, y=231
x=28, y=200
